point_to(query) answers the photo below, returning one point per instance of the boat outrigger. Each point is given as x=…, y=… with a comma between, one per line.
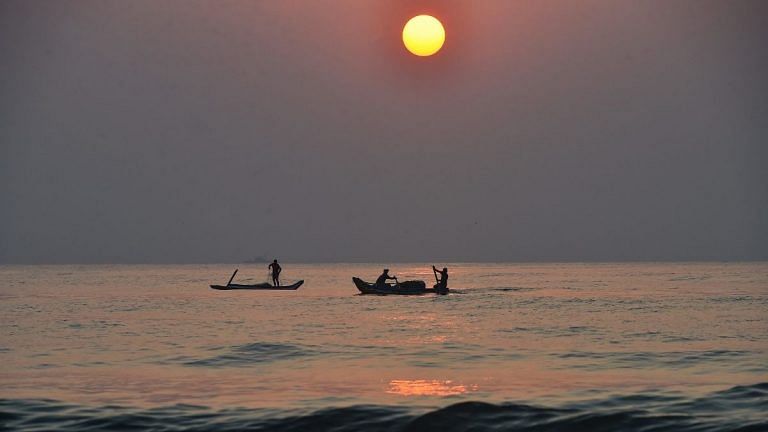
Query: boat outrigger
x=261, y=286
x=401, y=288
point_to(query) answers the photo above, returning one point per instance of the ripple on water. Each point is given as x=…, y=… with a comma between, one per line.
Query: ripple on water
x=248, y=354
x=672, y=360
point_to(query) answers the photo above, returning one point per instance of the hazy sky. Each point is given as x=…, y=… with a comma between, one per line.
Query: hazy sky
x=216, y=131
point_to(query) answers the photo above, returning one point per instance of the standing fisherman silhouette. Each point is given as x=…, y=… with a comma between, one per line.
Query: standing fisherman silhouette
x=276, y=269
x=442, y=285
x=381, y=281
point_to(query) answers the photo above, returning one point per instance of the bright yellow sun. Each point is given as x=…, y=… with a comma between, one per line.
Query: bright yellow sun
x=423, y=35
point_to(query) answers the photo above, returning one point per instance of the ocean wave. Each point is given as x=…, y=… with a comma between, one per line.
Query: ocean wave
x=669, y=359
x=689, y=278
x=554, y=331
x=737, y=409
x=246, y=355
x=501, y=289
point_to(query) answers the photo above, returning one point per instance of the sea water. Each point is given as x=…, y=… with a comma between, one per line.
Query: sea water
x=638, y=346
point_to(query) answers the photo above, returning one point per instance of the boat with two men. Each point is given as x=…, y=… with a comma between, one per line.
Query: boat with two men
x=413, y=287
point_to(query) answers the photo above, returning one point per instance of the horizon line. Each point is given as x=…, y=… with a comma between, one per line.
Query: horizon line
x=703, y=261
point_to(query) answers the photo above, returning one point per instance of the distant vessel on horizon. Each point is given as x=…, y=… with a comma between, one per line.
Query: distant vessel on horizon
x=256, y=260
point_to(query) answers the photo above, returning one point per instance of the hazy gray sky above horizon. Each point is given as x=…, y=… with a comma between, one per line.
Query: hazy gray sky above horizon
x=215, y=131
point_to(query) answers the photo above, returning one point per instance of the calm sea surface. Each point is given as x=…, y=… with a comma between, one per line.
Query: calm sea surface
x=513, y=347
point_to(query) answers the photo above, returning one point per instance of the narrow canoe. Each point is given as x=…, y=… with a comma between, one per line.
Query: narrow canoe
x=404, y=288
x=261, y=286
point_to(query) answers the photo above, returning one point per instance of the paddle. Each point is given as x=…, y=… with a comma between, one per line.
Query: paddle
x=435, y=273
x=233, y=276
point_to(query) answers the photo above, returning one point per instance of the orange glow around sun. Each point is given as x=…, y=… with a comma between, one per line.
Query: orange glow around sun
x=423, y=35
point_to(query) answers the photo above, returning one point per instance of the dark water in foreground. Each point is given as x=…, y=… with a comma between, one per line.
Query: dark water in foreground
x=737, y=409
x=651, y=347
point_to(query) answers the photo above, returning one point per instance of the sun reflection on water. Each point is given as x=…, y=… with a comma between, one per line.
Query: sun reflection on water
x=428, y=388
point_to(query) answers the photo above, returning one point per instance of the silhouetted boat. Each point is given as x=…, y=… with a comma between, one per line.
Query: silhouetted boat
x=402, y=288
x=261, y=286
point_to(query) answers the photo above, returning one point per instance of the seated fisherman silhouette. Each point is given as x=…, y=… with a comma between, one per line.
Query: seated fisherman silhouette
x=381, y=281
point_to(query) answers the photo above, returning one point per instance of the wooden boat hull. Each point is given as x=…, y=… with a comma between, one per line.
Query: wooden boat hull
x=400, y=289
x=261, y=286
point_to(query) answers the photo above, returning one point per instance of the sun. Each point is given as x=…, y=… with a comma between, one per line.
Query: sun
x=423, y=35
